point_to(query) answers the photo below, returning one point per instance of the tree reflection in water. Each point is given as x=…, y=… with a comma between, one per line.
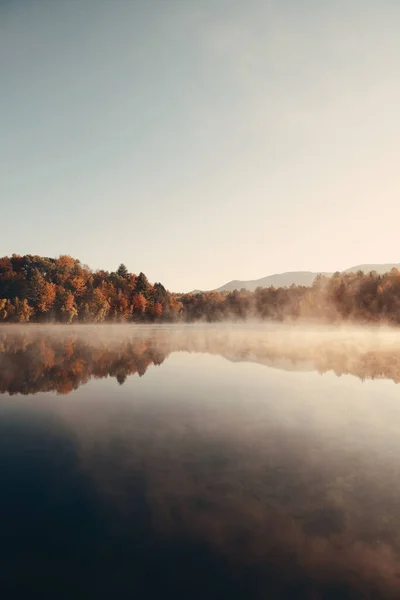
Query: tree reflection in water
x=267, y=495
x=60, y=359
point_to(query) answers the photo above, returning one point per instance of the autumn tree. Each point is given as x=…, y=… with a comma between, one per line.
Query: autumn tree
x=7, y=309
x=98, y=307
x=154, y=310
x=42, y=294
x=120, y=307
x=139, y=305
x=23, y=312
x=69, y=310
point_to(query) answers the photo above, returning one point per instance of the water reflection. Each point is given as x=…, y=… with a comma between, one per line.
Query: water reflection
x=208, y=478
x=61, y=359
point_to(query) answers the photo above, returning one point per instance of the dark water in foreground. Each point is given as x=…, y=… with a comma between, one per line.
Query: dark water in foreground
x=199, y=463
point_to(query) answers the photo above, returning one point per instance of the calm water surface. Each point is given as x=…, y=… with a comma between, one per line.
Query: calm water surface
x=157, y=462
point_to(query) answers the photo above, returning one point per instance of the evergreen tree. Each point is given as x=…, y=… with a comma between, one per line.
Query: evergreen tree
x=122, y=271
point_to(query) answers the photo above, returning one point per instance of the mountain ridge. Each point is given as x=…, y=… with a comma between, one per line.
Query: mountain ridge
x=288, y=278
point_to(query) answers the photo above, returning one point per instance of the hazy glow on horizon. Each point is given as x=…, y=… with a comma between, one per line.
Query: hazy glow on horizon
x=204, y=141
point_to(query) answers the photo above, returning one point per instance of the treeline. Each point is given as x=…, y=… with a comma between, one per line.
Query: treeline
x=34, y=288
x=344, y=297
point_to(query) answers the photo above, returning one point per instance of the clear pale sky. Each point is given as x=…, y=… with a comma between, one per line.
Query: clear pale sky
x=201, y=141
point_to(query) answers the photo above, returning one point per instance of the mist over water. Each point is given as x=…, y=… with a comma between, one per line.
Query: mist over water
x=60, y=358
x=255, y=461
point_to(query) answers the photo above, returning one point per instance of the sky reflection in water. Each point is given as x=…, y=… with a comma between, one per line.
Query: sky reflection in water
x=211, y=474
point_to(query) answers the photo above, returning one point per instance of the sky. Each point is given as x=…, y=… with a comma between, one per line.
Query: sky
x=201, y=141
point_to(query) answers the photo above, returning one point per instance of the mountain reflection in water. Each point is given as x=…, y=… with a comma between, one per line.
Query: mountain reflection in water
x=208, y=478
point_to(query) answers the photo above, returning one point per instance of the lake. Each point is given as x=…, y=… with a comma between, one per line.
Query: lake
x=244, y=461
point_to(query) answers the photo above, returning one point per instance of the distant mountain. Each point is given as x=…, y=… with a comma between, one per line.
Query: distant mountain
x=297, y=277
x=277, y=280
x=380, y=269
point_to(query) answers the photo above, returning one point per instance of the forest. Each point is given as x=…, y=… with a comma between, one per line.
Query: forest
x=44, y=290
